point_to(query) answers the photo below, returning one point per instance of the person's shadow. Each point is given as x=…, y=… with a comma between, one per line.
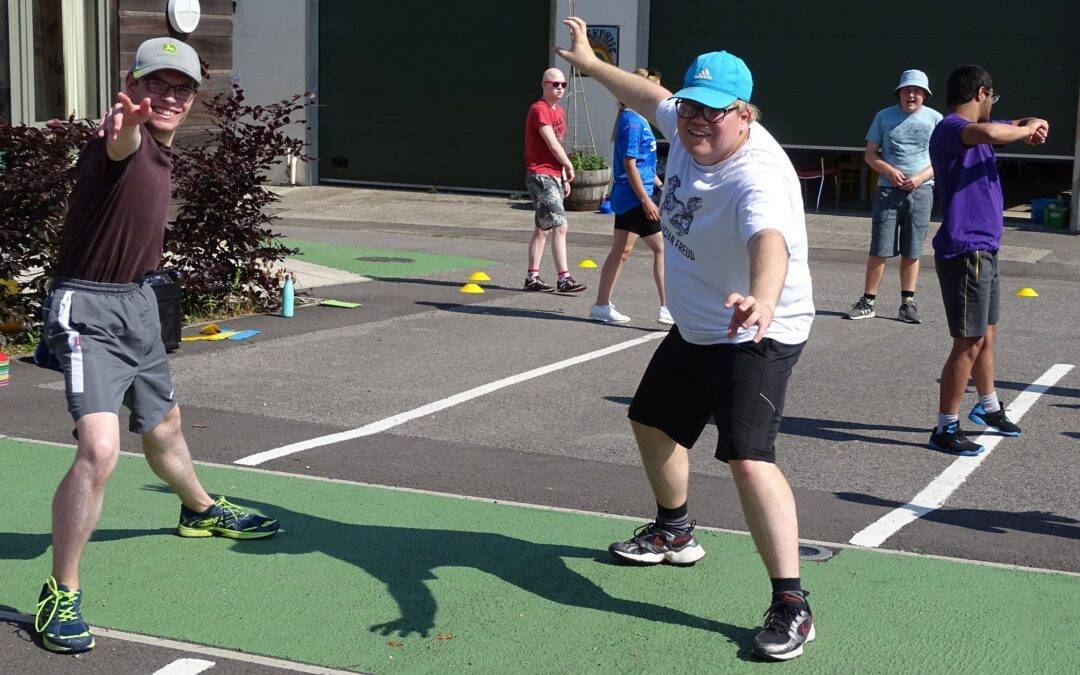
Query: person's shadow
x=405, y=559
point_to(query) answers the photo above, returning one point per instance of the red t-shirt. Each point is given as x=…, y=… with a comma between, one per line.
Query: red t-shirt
x=538, y=156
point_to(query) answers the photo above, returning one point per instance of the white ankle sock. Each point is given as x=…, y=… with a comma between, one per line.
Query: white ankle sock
x=944, y=420
x=990, y=402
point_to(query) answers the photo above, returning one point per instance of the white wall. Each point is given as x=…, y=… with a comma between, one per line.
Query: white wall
x=632, y=17
x=270, y=57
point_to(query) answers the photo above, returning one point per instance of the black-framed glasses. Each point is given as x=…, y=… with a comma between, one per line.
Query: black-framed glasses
x=181, y=92
x=555, y=85
x=994, y=98
x=688, y=110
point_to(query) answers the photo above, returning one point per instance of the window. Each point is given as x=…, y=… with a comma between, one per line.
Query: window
x=54, y=65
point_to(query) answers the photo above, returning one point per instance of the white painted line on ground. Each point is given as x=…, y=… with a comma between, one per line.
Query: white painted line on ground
x=28, y=619
x=401, y=418
x=185, y=667
x=942, y=487
x=561, y=509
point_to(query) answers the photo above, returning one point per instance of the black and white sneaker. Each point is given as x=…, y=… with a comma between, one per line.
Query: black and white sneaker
x=998, y=420
x=788, y=625
x=536, y=284
x=652, y=544
x=568, y=285
x=862, y=309
x=909, y=313
x=952, y=440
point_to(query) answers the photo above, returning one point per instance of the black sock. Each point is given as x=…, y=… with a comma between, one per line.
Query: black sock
x=907, y=295
x=870, y=296
x=675, y=519
x=780, y=586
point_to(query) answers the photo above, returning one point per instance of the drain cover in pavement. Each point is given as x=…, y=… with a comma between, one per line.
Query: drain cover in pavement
x=814, y=553
x=384, y=259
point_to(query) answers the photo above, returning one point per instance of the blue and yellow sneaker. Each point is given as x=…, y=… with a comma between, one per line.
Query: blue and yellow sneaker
x=225, y=520
x=59, y=620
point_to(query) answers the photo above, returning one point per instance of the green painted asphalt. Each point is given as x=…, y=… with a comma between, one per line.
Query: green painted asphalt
x=381, y=580
x=382, y=262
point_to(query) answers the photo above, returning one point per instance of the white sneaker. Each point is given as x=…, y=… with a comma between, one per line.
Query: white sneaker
x=664, y=317
x=607, y=314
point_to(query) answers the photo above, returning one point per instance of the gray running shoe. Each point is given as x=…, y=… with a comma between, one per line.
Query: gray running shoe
x=909, y=313
x=863, y=309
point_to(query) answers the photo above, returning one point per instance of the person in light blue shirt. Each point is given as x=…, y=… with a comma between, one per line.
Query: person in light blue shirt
x=634, y=189
x=898, y=149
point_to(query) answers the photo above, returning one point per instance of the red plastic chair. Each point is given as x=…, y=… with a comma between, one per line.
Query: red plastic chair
x=816, y=172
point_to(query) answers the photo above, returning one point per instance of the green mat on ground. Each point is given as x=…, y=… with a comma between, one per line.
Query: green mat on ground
x=382, y=262
x=381, y=580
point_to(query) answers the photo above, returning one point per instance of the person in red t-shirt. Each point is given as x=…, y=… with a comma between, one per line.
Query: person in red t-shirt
x=548, y=173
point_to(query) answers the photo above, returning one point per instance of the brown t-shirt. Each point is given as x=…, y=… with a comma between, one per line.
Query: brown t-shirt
x=116, y=213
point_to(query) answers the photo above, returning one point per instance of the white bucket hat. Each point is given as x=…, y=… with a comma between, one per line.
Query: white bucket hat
x=915, y=78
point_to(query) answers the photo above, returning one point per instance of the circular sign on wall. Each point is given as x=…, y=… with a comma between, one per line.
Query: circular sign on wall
x=183, y=15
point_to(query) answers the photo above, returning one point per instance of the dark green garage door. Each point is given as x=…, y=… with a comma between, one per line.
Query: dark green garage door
x=822, y=69
x=425, y=93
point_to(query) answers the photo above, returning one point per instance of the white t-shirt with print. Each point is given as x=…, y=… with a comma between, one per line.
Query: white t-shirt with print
x=708, y=214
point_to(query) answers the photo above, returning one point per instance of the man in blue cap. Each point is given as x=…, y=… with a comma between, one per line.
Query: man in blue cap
x=739, y=290
x=898, y=149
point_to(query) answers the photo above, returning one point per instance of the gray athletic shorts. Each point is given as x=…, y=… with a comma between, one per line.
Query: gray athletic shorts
x=900, y=221
x=547, y=195
x=107, y=338
x=970, y=289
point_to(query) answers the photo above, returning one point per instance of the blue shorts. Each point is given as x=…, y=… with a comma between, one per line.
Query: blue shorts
x=900, y=222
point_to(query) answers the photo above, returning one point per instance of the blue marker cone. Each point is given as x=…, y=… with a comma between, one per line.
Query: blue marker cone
x=287, y=297
x=605, y=206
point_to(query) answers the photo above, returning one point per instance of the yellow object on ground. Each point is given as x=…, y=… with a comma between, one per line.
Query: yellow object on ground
x=471, y=288
x=216, y=336
x=1027, y=292
x=479, y=276
x=587, y=262
x=210, y=329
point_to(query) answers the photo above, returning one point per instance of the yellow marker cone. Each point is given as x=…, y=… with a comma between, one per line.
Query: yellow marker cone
x=479, y=276
x=587, y=262
x=471, y=288
x=1027, y=292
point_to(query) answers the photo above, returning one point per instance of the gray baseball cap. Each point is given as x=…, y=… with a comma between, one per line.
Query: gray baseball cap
x=166, y=54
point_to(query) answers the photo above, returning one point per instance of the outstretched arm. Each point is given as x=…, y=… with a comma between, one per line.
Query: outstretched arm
x=120, y=126
x=636, y=92
x=1031, y=130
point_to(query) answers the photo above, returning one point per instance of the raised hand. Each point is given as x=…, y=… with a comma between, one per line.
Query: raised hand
x=581, y=53
x=124, y=111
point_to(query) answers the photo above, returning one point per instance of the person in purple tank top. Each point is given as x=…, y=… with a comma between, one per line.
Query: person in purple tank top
x=966, y=247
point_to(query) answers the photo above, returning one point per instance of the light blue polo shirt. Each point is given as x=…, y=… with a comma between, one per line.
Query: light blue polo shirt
x=904, y=139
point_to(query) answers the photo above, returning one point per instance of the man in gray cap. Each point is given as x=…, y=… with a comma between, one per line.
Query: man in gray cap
x=897, y=148
x=102, y=325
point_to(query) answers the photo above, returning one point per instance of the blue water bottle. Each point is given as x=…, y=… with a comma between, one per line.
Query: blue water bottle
x=287, y=297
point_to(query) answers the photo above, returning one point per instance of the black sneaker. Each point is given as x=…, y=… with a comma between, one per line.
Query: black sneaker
x=909, y=313
x=652, y=544
x=862, y=309
x=568, y=285
x=536, y=284
x=788, y=625
x=997, y=421
x=225, y=519
x=59, y=620
x=952, y=440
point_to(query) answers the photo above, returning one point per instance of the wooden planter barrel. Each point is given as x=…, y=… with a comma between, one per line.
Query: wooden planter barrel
x=588, y=189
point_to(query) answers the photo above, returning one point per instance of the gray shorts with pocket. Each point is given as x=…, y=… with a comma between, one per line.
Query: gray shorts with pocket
x=900, y=221
x=547, y=195
x=970, y=289
x=107, y=338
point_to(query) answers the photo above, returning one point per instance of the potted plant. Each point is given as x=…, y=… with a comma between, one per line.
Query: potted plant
x=592, y=175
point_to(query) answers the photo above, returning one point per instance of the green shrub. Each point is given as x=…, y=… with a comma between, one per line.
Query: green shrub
x=587, y=161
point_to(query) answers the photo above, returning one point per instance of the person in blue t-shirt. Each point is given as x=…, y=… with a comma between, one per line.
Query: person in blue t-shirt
x=634, y=191
x=897, y=148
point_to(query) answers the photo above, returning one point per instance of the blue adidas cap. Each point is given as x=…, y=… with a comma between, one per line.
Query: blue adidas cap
x=716, y=79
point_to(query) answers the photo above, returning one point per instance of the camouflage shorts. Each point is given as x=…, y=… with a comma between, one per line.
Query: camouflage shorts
x=547, y=195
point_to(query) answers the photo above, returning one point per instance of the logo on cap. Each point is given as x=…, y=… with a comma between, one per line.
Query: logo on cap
x=703, y=74
x=168, y=48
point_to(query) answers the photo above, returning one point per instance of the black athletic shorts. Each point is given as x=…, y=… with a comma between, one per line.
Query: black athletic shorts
x=635, y=221
x=741, y=386
x=970, y=289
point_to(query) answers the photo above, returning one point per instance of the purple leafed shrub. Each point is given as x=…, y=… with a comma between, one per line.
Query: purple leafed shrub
x=220, y=240
x=37, y=171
